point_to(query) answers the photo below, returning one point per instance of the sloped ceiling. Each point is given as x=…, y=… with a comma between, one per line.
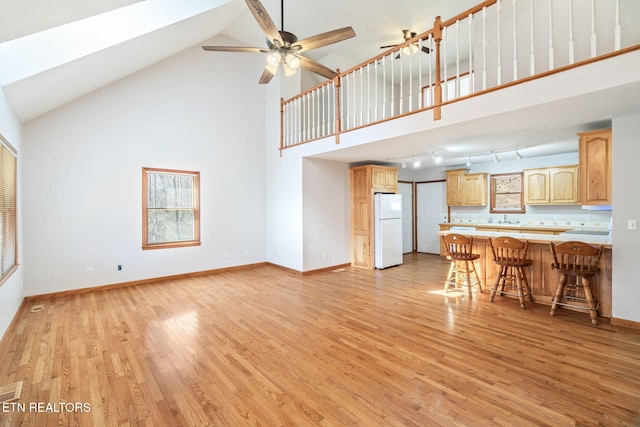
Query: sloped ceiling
x=56, y=51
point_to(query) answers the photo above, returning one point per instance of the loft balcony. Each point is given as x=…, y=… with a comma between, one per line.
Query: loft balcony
x=496, y=45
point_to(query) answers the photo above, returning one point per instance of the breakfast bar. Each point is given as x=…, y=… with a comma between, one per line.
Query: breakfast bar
x=542, y=278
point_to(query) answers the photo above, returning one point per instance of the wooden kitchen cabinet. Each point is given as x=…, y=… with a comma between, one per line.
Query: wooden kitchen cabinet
x=365, y=181
x=552, y=186
x=455, y=185
x=475, y=189
x=466, y=189
x=595, y=168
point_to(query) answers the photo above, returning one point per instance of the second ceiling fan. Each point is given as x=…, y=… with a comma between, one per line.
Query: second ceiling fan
x=284, y=48
x=409, y=49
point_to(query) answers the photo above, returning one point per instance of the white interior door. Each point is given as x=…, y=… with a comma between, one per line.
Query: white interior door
x=431, y=209
x=406, y=189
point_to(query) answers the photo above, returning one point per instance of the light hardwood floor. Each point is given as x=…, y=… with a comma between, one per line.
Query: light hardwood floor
x=263, y=346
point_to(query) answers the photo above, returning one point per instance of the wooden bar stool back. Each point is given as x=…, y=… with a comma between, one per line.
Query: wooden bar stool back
x=511, y=255
x=459, y=251
x=580, y=261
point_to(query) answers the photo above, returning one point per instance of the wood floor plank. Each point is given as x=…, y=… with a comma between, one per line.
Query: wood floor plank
x=262, y=346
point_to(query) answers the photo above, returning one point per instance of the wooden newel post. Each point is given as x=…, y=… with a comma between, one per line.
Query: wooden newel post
x=338, y=121
x=437, y=92
x=281, y=125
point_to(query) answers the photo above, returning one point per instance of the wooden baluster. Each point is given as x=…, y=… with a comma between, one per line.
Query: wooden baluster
x=420, y=100
x=437, y=89
x=361, y=97
x=337, y=114
x=401, y=90
x=617, y=29
x=550, y=34
x=392, y=112
x=384, y=87
x=445, y=88
x=368, y=93
x=571, y=40
x=499, y=44
x=484, y=48
x=471, y=50
x=430, y=92
x=457, y=83
x=515, y=40
x=375, y=90
x=593, y=28
x=532, y=54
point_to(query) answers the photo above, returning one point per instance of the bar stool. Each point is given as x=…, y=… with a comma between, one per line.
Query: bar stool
x=458, y=249
x=579, y=260
x=511, y=255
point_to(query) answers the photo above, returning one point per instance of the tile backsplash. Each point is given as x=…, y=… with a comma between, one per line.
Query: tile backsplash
x=590, y=219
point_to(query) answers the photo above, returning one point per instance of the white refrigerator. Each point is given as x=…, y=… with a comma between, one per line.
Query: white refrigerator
x=387, y=230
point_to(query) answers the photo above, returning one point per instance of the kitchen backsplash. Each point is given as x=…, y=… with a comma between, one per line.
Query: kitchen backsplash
x=582, y=219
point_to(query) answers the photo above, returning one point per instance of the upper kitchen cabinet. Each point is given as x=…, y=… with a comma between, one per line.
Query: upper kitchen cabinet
x=384, y=179
x=595, y=167
x=466, y=189
x=551, y=186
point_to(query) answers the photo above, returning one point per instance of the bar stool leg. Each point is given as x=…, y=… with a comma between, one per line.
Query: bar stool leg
x=519, y=287
x=559, y=294
x=468, y=277
x=586, y=284
x=494, y=290
x=526, y=283
x=448, y=281
x=475, y=272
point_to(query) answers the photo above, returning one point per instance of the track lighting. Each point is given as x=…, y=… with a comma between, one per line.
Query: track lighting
x=468, y=161
x=495, y=157
x=518, y=155
x=404, y=164
x=416, y=163
x=435, y=158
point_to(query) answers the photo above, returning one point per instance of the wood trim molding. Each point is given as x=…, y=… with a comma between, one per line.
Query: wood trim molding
x=625, y=323
x=140, y=282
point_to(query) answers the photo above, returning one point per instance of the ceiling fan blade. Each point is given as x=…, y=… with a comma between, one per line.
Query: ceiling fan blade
x=264, y=20
x=266, y=76
x=316, y=67
x=325, y=39
x=236, y=49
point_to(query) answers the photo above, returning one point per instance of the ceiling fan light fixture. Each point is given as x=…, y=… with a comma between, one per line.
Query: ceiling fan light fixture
x=273, y=59
x=292, y=61
x=410, y=49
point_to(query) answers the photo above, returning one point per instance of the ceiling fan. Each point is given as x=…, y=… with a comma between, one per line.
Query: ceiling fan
x=410, y=49
x=284, y=47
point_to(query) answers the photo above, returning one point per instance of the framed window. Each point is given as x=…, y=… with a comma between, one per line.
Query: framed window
x=506, y=193
x=8, y=210
x=170, y=208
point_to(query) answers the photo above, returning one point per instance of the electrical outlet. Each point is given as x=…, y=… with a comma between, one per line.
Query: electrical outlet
x=89, y=271
x=246, y=253
x=556, y=218
x=589, y=218
x=226, y=254
x=119, y=267
x=325, y=255
x=632, y=224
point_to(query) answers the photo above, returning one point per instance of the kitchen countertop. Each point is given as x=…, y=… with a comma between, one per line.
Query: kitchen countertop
x=534, y=237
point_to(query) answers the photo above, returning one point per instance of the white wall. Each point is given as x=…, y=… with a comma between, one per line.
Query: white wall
x=82, y=179
x=11, y=293
x=626, y=243
x=326, y=214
